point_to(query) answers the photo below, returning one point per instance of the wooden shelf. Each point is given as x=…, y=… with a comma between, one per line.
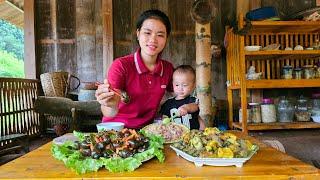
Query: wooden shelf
x=282, y=52
x=278, y=125
x=270, y=63
x=285, y=26
x=282, y=83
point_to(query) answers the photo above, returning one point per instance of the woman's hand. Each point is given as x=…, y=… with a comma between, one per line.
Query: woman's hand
x=106, y=97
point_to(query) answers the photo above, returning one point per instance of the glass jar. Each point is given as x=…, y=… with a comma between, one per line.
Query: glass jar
x=285, y=110
x=248, y=115
x=297, y=73
x=255, y=113
x=268, y=111
x=317, y=70
x=308, y=71
x=287, y=72
x=302, y=111
x=315, y=111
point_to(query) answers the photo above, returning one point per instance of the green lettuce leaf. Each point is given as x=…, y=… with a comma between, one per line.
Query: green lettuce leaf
x=81, y=136
x=120, y=164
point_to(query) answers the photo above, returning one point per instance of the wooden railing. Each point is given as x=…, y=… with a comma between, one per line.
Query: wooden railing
x=17, y=114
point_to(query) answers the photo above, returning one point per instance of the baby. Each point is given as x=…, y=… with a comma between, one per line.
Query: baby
x=183, y=107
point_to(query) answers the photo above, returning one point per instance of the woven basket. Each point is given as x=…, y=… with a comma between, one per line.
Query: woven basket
x=56, y=84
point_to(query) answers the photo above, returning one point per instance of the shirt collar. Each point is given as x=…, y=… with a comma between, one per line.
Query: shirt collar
x=141, y=67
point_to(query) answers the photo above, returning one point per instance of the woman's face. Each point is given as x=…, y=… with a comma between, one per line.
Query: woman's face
x=152, y=37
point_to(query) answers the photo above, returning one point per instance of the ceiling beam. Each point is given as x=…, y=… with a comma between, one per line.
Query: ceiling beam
x=14, y=6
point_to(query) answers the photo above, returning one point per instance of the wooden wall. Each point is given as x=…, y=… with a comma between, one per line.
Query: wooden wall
x=181, y=46
x=69, y=33
x=69, y=38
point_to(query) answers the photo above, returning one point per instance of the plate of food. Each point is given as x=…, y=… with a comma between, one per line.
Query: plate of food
x=171, y=132
x=215, y=148
x=117, y=151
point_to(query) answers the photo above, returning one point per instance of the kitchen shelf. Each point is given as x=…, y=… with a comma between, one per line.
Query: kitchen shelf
x=270, y=63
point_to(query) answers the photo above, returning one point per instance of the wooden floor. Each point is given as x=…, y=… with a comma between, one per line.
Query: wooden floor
x=303, y=144
x=34, y=144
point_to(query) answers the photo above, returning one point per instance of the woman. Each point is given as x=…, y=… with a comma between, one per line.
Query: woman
x=144, y=76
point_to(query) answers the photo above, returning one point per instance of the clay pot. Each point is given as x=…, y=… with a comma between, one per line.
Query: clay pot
x=89, y=85
x=60, y=129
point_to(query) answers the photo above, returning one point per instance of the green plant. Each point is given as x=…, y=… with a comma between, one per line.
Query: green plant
x=10, y=66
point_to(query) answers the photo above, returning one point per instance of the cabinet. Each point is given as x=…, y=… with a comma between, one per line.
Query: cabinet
x=270, y=63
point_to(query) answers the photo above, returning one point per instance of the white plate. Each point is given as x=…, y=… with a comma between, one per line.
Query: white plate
x=316, y=119
x=252, y=48
x=238, y=162
x=62, y=139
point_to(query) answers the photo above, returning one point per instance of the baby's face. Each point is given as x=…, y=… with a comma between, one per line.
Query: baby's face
x=183, y=84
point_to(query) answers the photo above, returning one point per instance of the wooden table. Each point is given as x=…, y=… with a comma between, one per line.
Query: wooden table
x=268, y=163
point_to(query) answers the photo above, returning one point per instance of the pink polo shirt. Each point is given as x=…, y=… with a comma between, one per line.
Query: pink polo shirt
x=145, y=88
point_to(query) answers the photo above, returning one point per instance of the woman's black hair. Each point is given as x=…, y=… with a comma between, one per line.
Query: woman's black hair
x=154, y=14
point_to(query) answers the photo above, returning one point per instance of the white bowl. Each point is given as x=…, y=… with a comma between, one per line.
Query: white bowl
x=316, y=119
x=110, y=125
x=252, y=48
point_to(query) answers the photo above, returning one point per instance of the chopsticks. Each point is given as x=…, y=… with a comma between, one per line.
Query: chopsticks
x=125, y=98
x=113, y=90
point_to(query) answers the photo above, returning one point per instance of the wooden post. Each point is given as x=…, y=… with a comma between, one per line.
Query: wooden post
x=107, y=19
x=242, y=6
x=202, y=14
x=29, y=41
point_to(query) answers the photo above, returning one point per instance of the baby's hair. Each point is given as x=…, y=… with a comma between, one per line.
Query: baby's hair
x=186, y=69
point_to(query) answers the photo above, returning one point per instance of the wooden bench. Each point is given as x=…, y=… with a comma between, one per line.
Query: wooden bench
x=18, y=121
x=14, y=142
x=82, y=114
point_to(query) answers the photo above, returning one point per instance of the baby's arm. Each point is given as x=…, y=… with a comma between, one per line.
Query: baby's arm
x=188, y=108
x=202, y=124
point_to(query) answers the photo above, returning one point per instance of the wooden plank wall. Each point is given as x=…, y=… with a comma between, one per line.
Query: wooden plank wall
x=55, y=36
x=69, y=38
x=69, y=33
x=181, y=45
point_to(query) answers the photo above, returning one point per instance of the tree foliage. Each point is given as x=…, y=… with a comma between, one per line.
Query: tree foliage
x=11, y=39
x=10, y=66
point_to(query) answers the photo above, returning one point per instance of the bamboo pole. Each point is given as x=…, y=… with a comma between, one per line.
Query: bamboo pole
x=203, y=71
x=202, y=14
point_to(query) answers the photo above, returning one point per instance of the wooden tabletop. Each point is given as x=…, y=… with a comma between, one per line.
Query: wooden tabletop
x=268, y=163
